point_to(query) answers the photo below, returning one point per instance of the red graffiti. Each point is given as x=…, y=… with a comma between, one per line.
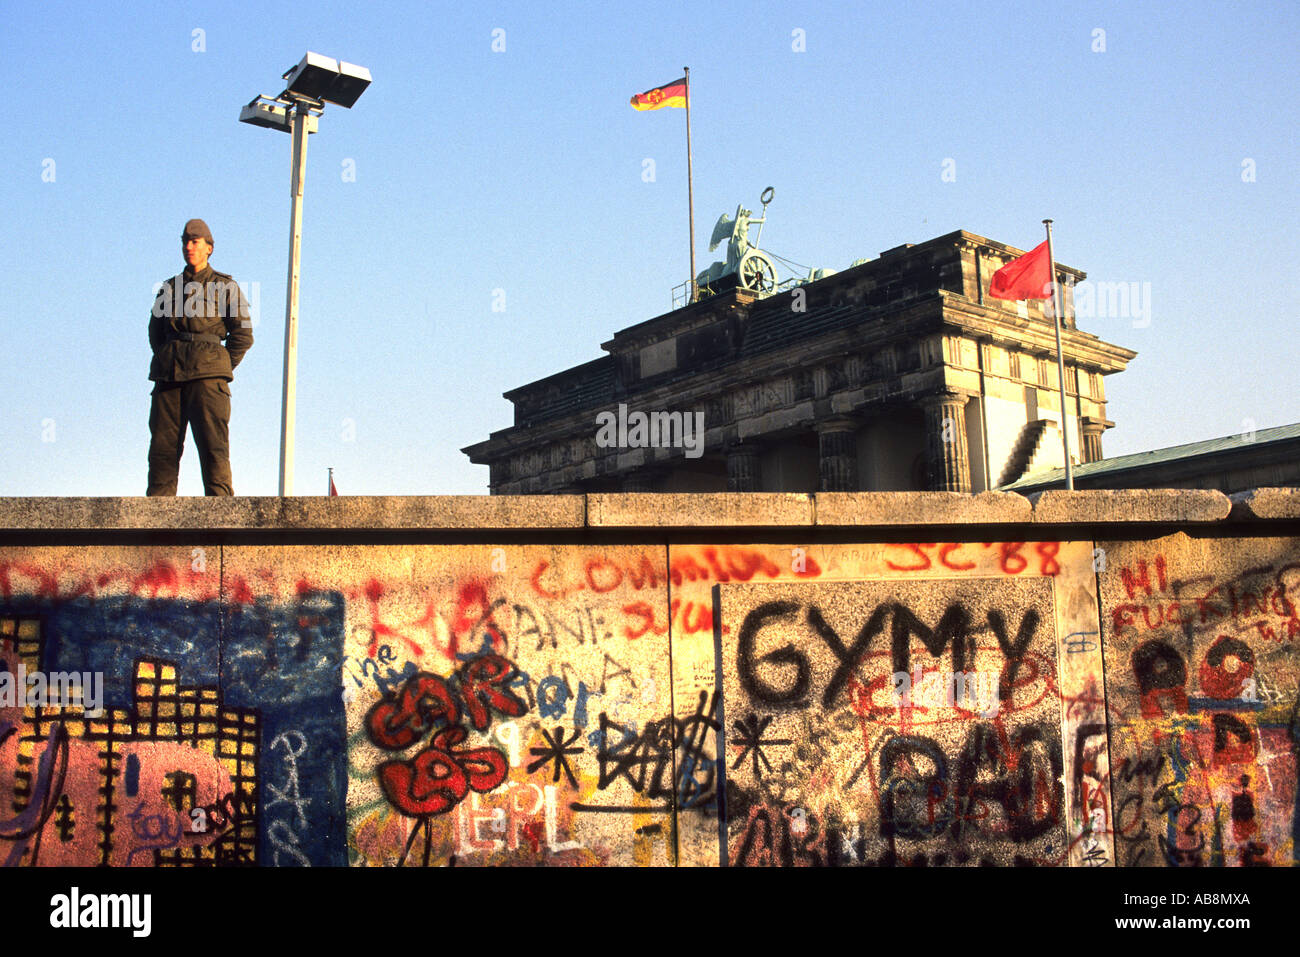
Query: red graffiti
x=536, y=581
x=1141, y=578
x=874, y=700
x=159, y=577
x=1223, y=601
x=48, y=587
x=916, y=556
x=439, y=776
x=1163, y=702
x=1210, y=607
x=1227, y=666
x=780, y=837
x=599, y=574
x=646, y=613
x=472, y=610
x=734, y=563
x=374, y=591
x=922, y=560
x=695, y=617
x=240, y=592
x=398, y=722
x=533, y=834
x=483, y=685
x=602, y=575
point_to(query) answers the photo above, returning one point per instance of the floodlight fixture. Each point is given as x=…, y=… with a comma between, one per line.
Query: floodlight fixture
x=326, y=79
x=272, y=115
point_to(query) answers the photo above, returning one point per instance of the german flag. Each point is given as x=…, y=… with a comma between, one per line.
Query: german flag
x=670, y=94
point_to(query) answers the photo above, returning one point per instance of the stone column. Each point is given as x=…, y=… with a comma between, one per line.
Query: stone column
x=1092, y=430
x=744, y=471
x=945, y=442
x=837, y=443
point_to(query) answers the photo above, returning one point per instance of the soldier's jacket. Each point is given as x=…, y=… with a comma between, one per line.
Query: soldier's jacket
x=208, y=303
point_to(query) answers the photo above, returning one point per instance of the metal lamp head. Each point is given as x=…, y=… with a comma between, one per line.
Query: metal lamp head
x=328, y=80
x=272, y=115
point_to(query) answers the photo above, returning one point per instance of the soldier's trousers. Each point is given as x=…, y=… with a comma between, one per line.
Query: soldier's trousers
x=202, y=405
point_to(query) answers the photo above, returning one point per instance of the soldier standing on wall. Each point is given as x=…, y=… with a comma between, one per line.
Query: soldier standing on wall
x=192, y=369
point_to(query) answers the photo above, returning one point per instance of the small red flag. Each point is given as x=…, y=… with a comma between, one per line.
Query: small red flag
x=333, y=490
x=1028, y=277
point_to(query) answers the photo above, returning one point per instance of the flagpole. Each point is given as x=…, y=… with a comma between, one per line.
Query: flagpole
x=1060, y=355
x=690, y=182
x=331, y=483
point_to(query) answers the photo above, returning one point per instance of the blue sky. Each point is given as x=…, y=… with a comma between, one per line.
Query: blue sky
x=1169, y=157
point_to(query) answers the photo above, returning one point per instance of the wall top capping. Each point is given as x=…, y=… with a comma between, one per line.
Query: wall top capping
x=321, y=515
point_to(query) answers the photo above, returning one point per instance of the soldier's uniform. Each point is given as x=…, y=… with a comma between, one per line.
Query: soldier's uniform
x=192, y=369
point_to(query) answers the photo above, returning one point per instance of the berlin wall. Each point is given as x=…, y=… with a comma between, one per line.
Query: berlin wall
x=1091, y=679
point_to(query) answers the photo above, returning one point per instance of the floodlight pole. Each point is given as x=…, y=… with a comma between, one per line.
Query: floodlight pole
x=1059, y=308
x=315, y=81
x=289, y=396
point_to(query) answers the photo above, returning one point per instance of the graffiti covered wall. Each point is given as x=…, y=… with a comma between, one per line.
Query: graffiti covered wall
x=1053, y=702
x=1202, y=670
x=204, y=693
x=896, y=715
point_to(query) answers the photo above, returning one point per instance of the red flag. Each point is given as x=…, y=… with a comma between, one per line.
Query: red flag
x=1028, y=277
x=333, y=490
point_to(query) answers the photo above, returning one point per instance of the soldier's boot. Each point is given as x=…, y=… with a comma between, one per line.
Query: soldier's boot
x=167, y=438
x=207, y=406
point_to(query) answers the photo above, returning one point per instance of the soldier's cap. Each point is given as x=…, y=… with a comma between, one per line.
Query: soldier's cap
x=197, y=229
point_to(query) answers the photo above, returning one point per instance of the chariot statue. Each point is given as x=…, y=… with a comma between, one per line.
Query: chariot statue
x=753, y=269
